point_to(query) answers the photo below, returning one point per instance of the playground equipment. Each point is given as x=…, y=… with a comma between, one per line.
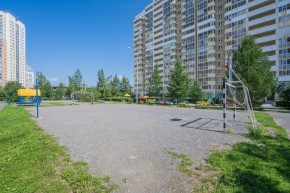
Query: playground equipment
x=236, y=94
x=28, y=96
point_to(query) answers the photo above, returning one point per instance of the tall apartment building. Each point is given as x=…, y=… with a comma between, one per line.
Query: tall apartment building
x=203, y=34
x=29, y=79
x=12, y=49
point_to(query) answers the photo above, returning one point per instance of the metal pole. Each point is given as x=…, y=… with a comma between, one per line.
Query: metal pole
x=224, y=105
x=235, y=105
x=230, y=68
x=37, y=99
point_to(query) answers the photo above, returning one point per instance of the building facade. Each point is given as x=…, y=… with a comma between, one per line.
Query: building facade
x=29, y=79
x=203, y=34
x=12, y=49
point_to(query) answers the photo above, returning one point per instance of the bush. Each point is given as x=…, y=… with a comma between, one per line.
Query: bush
x=85, y=97
x=183, y=104
x=11, y=91
x=282, y=103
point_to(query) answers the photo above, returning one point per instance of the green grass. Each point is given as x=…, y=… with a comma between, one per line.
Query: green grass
x=57, y=104
x=260, y=166
x=185, y=162
x=32, y=161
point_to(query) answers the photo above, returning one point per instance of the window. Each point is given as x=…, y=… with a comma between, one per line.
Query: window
x=220, y=15
x=219, y=55
x=220, y=31
x=220, y=23
x=220, y=63
x=220, y=39
x=220, y=47
x=220, y=7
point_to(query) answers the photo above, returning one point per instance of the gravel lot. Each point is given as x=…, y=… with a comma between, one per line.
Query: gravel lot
x=129, y=142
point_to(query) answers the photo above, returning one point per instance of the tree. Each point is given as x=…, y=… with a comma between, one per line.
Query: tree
x=285, y=94
x=77, y=79
x=59, y=92
x=254, y=69
x=108, y=87
x=11, y=91
x=195, y=91
x=71, y=86
x=125, y=86
x=155, y=83
x=44, y=86
x=2, y=94
x=116, y=86
x=179, y=83
x=101, y=85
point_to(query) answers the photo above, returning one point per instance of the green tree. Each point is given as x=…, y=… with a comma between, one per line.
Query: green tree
x=285, y=94
x=59, y=92
x=2, y=94
x=101, y=85
x=155, y=83
x=11, y=91
x=125, y=86
x=116, y=86
x=108, y=87
x=254, y=69
x=77, y=79
x=179, y=83
x=71, y=86
x=195, y=91
x=44, y=86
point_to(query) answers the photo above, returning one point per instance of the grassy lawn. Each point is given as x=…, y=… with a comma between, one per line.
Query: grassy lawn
x=260, y=166
x=57, y=104
x=32, y=161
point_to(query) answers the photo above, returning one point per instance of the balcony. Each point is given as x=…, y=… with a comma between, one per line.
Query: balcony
x=273, y=58
x=262, y=20
x=263, y=29
x=269, y=48
x=261, y=10
x=266, y=39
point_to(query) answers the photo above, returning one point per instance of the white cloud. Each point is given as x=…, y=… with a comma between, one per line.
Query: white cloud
x=28, y=68
x=53, y=79
x=120, y=76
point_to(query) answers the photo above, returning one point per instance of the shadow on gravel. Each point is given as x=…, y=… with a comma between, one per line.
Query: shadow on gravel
x=207, y=124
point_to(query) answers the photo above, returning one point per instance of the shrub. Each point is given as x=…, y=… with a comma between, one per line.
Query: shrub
x=85, y=97
x=183, y=104
x=283, y=103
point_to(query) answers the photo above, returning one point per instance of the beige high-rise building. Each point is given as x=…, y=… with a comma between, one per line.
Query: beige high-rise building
x=204, y=34
x=12, y=49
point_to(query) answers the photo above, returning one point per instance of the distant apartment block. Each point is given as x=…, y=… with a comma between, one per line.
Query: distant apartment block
x=12, y=49
x=203, y=34
x=29, y=81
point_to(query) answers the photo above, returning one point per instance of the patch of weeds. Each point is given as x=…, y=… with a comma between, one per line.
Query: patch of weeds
x=185, y=162
x=231, y=131
x=32, y=161
x=125, y=180
x=57, y=104
x=184, y=105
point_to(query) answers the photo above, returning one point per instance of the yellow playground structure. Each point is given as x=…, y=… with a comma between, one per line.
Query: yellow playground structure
x=29, y=94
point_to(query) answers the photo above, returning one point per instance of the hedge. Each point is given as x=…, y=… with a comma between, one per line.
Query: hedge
x=282, y=103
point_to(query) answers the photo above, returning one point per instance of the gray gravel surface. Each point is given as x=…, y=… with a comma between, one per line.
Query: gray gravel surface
x=129, y=142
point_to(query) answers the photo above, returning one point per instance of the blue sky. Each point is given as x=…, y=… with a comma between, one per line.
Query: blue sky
x=63, y=35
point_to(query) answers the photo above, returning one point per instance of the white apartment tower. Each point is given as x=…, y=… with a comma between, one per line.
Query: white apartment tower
x=203, y=34
x=12, y=49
